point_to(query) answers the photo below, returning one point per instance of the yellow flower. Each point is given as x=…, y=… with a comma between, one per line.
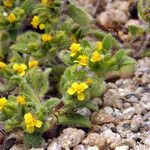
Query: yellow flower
x=3, y=101
x=20, y=69
x=11, y=18
x=46, y=2
x=31, y=123
x=21, y=100
x=35, y=21
x=89, y=81
x=96, y=56
x=99, y=46
x=83, y=60
x=42, y=26
x=2, y=65
x=78, y=88
x=33, y=63
x=46, y=37
x=8, y=3
x=74, y=49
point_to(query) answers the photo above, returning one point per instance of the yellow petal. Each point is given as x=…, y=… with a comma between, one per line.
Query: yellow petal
x=30, y=129
x=22, y=73
x=81, y=97
x=38, y=123
x=42, y=26
x=27, y=116
x=70, y=91
x=92, y=60
x=99, y=46
x=3, y=101
x=72, y=54
x=85, y=86
x=74, y=85
x=15, y=66
x=24, y=67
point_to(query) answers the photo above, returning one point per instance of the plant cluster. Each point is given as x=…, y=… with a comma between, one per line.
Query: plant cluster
x=140, y=35
x=52, y=63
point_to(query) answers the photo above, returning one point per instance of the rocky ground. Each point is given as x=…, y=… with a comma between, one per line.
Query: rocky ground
x=122, y=123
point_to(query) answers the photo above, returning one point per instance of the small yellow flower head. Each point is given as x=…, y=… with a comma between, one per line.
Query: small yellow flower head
x=11, y=18
x=46, y=37
x=83, y=60
x=31, y=123
x=21, y=100
x=46, y=2
x=33, y=63
x=74, y=49
x=89, y=81
x=42, y=26
x=35, y=21
x=2, y=65
x=78, y=88
x=99, y=46
x=20, y=69
x=8, y=3
x=96, y=57
x=3, y=101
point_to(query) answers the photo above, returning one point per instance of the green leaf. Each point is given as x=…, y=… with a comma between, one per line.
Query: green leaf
x=99, y=34
x=107, y=43
x=126, y=60
x=65, y=57
x=75, y=120
x=39, y=8
x=78, y=15
x=85, y=43
x=135, y=30
x=98, y=87
x=21, y=44
x=90, y=105
x=119, y=55
x=52, y=103
x=20, y=47
x=127, y=71
x=28, y=37
x=33, y=140
x=141, y=10
x=28, y=92
x=38, y=81
x=27, y=6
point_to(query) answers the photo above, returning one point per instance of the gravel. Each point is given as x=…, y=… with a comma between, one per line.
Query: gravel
x=122, y=123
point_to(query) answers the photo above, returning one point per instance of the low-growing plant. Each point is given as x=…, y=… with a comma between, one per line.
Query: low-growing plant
x=140, y=35
x=54, y=65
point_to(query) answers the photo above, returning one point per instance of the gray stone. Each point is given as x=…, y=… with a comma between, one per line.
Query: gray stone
x=54, y=146
x=84, y=112
x=108, y=110
x=111, y=98
x=101, y=117
x=79, y=147
x=17, y=147
x=95, y=139
x=70, y=137
x=129, y=112
x=136, y=122
x=124, y=147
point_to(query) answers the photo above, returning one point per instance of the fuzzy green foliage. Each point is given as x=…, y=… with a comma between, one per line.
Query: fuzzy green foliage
x=141, y=34
x=143, y=10
x=78, y=15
